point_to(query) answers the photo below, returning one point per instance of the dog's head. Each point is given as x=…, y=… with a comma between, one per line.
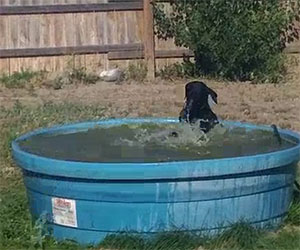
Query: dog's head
x=199, y=99
x=199, y=93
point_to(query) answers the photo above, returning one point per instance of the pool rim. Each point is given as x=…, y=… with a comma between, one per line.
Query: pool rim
x=152, y=170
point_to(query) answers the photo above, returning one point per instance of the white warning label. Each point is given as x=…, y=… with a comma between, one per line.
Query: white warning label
x=64, y=212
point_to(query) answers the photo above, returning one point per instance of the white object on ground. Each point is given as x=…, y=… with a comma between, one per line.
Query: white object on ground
x=112, y=75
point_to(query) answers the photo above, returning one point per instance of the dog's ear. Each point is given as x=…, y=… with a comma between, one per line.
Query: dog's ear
x=213, y=95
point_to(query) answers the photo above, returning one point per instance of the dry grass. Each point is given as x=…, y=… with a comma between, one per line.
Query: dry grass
x=263, y=104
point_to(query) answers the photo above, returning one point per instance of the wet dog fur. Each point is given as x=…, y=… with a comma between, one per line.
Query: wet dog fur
x=197, y=107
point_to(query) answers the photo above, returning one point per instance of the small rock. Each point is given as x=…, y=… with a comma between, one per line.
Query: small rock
x=112, y=75
x=246, y=112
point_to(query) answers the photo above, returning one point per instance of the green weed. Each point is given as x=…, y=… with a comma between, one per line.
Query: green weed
x=25, y=78
x=137, y=72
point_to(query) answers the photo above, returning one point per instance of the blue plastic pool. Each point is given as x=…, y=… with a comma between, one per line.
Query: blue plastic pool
x=87, y=201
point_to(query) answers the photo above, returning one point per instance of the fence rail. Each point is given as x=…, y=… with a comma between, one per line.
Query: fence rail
x=76, y=50
x=70, y=8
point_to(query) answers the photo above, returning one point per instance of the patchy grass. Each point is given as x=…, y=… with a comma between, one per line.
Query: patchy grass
x=241, y=236
x=15, y=226
x=18, y=232
x=29, y=79
x=293, y=217
x=185, y=69
x=74, y=76
x=164, y=241
x=171, y=72
x=25, y=78
x=285, y=239
x=137, y=72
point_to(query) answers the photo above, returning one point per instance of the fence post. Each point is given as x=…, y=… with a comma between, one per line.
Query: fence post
x=149, y=46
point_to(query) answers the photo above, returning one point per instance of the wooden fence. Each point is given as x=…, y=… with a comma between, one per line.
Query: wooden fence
x=96, y=34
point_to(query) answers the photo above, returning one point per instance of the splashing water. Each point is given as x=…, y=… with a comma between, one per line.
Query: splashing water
x=172, y=135
x=149, y=142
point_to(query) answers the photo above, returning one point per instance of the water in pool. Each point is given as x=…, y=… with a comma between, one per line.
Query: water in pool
x=153, y=143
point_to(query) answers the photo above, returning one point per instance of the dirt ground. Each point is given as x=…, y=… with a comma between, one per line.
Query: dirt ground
x=259, y=103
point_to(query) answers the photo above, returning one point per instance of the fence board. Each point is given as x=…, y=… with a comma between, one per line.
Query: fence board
x=38, y=31
x=96, y=63
x=4, y=66
x=69, y=8
x=4, y=31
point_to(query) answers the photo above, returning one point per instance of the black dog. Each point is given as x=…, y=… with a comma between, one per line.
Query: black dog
x=197, y=107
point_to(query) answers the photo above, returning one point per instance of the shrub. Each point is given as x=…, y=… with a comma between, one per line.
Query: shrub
x=137, y=72
x=238, y=40
x=178, y=70
x=82, y=76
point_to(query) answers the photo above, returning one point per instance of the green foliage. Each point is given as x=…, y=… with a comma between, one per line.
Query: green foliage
x=238, y=40
x=286, y=239
x=137, y=72
x=21, y=79
x=293, y=216
x=81, y=75
x=15, y=226
x=74, y=76
x=123, y=241
x=171, y=71
x=239, y=236
x=165, y=241
x=178, y=70
x=29, y=79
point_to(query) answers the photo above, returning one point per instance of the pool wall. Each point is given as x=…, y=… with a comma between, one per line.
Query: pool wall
x=88, y=201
